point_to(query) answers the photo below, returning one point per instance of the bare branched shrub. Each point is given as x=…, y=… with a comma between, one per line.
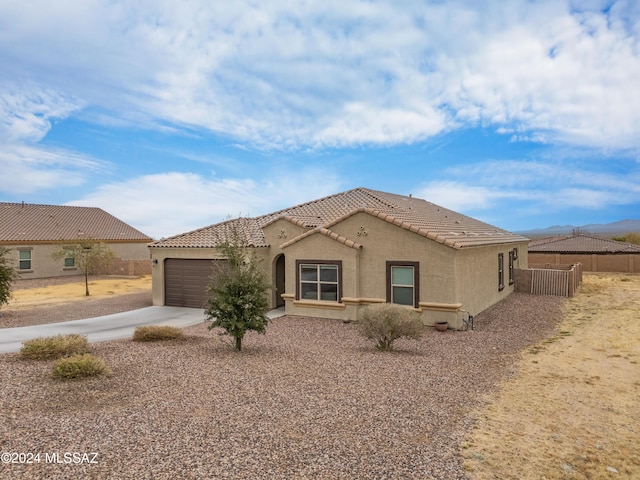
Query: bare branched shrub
x=59, y=346
x=386, y=323
x=79, y=366
x=151, y=333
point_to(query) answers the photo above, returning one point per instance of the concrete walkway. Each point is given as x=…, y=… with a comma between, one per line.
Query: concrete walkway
x=108, y=327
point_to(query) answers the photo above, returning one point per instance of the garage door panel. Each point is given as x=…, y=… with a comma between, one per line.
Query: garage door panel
x=186, y=281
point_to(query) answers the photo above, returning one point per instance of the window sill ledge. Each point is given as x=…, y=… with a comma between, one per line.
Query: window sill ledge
x=319, y=304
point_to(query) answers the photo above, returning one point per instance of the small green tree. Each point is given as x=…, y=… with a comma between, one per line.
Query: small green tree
x=7, y=275
x=86, y=254
x=238, y=300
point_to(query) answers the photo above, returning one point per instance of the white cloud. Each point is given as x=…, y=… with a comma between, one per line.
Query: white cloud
x=26, y=166
x=26, y=113
x=370, y=124
x=459, y=196
x=167, y=204
x=530, y=188
x=328, y=73
x=28, y=169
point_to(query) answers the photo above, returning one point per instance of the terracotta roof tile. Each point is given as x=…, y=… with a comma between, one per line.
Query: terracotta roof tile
x=414, y=214
x=249, y=229
x=581, y=244
x=25, y=222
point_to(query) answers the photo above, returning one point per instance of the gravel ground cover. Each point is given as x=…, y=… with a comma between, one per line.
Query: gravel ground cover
x=308, y=400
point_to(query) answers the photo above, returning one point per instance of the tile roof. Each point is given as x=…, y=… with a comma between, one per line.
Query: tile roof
x=26, y=222
x=581, y=244
x=425, y=218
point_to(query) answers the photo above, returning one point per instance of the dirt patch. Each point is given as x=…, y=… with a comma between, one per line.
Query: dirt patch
x=41, y=301
x=74, y=291
x=572, y=409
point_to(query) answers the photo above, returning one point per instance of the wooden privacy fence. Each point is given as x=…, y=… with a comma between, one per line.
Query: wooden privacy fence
x=559, y=280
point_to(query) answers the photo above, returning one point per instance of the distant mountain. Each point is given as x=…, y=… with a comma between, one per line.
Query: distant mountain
x=614, y=228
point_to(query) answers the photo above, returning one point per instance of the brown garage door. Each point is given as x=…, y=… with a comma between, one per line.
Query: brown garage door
x=186, y=281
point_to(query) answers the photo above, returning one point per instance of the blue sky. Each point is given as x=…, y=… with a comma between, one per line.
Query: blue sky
x=175, y=115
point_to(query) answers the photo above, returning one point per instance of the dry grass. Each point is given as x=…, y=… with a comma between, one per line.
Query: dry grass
x=58, y=346
x=151, y=333
x=80, y=366
x=28, y=298
x=572, y=409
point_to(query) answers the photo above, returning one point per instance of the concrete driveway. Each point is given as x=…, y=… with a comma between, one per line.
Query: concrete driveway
x=108, y=327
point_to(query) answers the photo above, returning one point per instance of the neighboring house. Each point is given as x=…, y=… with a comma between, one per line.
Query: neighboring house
x=332, y=256
x=594, y=253
x=33, y=232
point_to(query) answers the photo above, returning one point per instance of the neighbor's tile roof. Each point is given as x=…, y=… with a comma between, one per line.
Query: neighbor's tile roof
x=581, y=244
x=425, y=218
x=25, y=222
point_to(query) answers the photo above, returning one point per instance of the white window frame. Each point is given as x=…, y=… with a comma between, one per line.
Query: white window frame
x=20, y=260
x=415, y=266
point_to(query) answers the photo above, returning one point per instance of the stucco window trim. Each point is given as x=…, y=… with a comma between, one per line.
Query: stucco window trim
x=416, y=279
x=321, y=304
x=500, y=271
x=299, y=263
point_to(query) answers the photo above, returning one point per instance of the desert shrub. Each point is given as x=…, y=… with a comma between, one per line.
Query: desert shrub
x=78, y=366
x=54, y=347
x=385, y=323
x=151, y=333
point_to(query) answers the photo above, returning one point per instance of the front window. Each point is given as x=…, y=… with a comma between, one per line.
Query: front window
x=69, y=259
x=319, y=281
x=25, y=260
x=402, y=283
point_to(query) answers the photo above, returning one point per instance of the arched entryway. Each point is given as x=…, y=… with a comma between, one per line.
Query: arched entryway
x=278, y=281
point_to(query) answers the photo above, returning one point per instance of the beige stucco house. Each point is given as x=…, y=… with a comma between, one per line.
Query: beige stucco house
x=333, y=256
x=594, y=253
x=33, y=232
